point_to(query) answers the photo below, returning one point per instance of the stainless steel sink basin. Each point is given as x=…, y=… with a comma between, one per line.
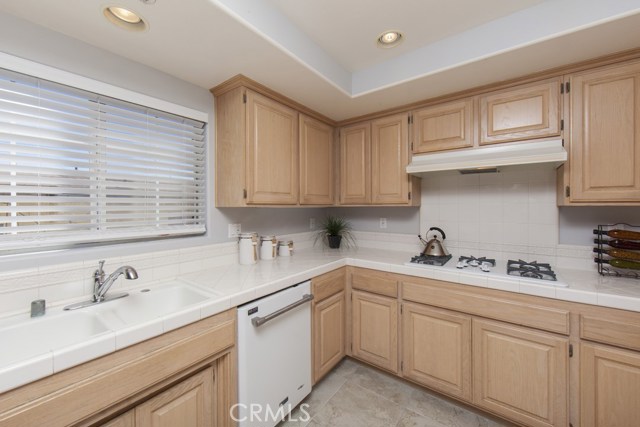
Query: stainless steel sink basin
x=33, y=337
x=148, y=304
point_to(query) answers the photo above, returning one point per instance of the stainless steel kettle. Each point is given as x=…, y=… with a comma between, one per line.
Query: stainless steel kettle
x=434, y=247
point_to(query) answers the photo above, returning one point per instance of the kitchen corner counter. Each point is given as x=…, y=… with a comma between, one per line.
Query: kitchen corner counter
x=244, y=283
x=231, y=285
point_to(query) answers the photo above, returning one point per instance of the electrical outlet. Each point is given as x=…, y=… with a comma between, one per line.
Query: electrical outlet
x=312, y=223
x=383, y=222
x=234, y=230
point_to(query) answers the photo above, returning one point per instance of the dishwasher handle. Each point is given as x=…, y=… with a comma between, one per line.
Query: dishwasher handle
x=259, y=321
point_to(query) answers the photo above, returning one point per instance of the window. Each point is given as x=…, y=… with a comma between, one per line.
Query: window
x=82, y=168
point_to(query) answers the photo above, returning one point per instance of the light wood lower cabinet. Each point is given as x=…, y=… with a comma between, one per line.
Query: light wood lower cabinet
x=329, y=321
x=128, y=419
x=610, y=386
x=186, y=377
x=520, y=373
x=375, y=329
x=187, y=404
x=329, y=337
x=436, y=349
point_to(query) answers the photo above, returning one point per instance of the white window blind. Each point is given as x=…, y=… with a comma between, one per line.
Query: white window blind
x=78, y=168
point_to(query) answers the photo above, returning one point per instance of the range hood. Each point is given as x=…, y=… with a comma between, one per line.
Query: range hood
x=549, y=151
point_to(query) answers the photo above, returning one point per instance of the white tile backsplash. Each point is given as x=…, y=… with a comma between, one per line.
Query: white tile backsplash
x=510, y=212
x=61, y=283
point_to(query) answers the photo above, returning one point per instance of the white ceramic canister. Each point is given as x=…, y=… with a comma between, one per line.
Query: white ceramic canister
x=268, y=247
x=248, y=248
x=285, y=248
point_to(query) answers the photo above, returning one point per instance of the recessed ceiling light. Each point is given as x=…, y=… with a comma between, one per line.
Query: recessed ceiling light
x=389, y=39
x=125, y=18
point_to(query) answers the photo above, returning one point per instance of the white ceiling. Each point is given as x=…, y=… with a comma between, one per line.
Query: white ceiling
x=322, y=53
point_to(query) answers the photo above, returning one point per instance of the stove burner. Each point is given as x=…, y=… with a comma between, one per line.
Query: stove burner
x=474, y=262
x=533, y=270
x=430, y=260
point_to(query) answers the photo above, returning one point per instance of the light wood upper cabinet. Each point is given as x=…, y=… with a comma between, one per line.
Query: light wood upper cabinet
x=605, y=135
x=437, y=349
x=375, y=329
x=443, y=126
x=267, y=153
x=187, y=404
x=610, y=386
x=389, y=159
x=355, y=164
x=373, y=160
x=520, y=373
x=272, y=151
x=316, y=162
x=524, y=112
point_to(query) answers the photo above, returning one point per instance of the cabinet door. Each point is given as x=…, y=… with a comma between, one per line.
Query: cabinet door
x=526, y=112
x=328, y=331
x=605, y=135
x=437, y=349
x=375, y=329
x=127, y=419
x=187, y=404
x=355, y=164
x=389, y=159
x=609, y=386
x=520, y=373
x=443, y=127
x=316, y=162
x=272, y=151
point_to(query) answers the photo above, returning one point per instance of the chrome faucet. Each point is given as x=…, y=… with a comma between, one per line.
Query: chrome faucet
x=102, y=285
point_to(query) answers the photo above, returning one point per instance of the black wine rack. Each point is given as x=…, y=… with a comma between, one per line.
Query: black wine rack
x=601, y=244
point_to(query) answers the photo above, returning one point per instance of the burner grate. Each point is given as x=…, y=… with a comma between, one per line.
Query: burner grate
x=431, y=260
x=531, y=270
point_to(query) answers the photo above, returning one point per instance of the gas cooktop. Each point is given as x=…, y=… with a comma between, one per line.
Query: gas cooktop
x=531, y=272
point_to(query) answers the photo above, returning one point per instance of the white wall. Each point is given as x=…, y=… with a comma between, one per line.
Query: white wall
x=23, y=39
x=577, y=223
x=400, y=220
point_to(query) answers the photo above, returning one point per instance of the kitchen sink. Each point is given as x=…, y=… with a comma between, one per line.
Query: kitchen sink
x=148, y=304
x=33, y=337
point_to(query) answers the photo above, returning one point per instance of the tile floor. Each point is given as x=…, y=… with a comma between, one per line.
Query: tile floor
x=354, y=395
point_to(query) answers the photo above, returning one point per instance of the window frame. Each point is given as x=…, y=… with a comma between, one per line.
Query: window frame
x=102, y=249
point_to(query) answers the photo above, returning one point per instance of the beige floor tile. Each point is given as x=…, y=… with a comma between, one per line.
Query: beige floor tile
x=355, y=394
x=354, y=406
x=411, y=419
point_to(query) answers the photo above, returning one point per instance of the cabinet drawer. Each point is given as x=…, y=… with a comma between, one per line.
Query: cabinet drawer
x=621, y=333
x=519, y=313
x=376, y=282
x=328, y=284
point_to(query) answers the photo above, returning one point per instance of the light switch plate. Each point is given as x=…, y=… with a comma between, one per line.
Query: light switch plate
x=312, y=223
x=383, y=222
x=235, y=230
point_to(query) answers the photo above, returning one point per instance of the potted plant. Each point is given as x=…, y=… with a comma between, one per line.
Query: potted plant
x=333, y=230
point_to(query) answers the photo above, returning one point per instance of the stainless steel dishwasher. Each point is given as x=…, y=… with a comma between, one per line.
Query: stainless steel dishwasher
x=274, y=355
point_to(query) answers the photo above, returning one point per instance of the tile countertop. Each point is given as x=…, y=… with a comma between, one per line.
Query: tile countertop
x=232, y=285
